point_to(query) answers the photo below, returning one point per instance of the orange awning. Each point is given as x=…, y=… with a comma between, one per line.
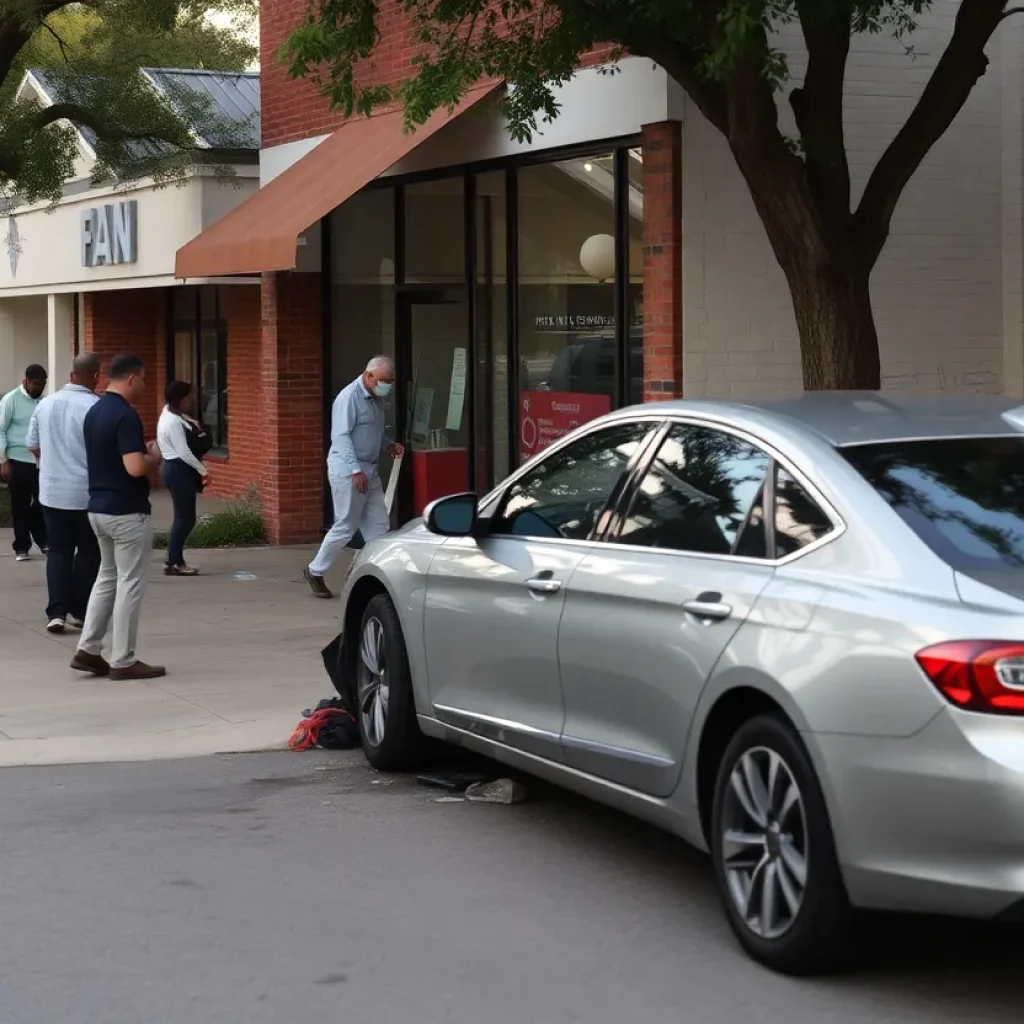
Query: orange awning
x=262, y=233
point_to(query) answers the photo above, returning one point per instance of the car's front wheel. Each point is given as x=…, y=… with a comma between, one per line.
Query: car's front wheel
x=391, y=736
x=774, y=854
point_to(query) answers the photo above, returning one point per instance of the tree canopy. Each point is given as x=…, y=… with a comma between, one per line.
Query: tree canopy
x=727, y=56
x=91, y=52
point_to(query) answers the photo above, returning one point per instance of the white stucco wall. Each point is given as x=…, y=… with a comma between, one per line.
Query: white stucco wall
x=23, y=335
x=939, y=290
x=51, y=239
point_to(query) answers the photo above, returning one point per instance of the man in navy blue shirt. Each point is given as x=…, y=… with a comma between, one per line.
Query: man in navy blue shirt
x=119, y=461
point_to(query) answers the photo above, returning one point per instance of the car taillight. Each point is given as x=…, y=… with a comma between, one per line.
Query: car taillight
x=978, y=675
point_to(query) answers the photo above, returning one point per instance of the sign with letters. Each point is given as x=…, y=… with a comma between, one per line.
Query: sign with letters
x=110, y=234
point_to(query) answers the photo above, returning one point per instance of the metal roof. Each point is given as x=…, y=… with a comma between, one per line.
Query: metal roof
x=234, y=97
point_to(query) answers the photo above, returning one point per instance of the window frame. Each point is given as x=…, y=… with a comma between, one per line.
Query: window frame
x=491, y=504
x=776, y=461
x=195, y=326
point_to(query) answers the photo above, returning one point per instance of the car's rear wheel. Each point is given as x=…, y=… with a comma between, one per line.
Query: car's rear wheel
x=774, y=854
x=386, y=708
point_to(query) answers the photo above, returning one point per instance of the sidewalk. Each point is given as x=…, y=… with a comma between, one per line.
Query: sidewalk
x=243, y=660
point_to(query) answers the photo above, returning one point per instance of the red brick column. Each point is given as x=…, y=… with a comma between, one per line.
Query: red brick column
x=291, y=384
x=663, y=261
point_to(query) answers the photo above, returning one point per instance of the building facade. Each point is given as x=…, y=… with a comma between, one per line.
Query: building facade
x=95, y=273
x=617, y=257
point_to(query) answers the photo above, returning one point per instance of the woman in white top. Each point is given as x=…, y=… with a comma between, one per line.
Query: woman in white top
x=179, y=435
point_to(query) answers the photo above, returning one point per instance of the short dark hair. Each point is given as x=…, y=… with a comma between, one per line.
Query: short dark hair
x=35, y=372
x=124, y=365
x=176, y=392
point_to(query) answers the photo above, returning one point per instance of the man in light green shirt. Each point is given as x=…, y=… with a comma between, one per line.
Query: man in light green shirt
x=18, y=465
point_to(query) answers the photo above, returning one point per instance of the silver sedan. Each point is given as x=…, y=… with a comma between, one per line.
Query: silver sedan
x=792, y=634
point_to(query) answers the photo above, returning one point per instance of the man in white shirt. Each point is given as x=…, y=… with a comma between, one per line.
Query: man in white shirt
x=55, y=437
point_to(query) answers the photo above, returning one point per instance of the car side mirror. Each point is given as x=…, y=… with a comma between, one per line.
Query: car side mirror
x=454, y=516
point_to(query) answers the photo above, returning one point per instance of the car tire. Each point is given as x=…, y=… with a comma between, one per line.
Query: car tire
x=385, y=705
x=778, y=874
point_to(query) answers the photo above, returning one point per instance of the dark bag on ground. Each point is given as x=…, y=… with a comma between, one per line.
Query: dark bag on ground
x=330, y=724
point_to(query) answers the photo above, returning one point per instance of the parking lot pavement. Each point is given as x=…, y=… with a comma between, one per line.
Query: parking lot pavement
x=241, y=644
x=306, y=887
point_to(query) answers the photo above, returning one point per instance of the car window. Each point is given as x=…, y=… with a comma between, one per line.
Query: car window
x=564, y=495
x=697, y=493
x=964, y=497
x=752, y=541
x=798, y=519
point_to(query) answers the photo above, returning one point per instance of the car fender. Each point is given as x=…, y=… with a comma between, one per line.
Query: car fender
x=399, y=566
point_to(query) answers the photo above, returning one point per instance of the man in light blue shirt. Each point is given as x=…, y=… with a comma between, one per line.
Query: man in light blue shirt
x=358, y=435
x=18, y=464
x=55, y=437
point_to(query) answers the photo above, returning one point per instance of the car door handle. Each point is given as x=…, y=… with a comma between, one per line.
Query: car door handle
x=544, y=585
x=708, y=608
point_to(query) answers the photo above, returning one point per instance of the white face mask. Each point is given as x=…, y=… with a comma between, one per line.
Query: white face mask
x=381, y=390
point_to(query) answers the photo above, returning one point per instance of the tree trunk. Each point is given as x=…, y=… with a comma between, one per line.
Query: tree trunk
x=838, y=340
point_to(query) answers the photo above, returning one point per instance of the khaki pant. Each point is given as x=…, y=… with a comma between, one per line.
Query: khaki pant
x=126, y=544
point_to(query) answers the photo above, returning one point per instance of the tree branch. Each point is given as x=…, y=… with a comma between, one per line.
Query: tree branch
x=83, y=118
x=955, y=75
x=818, y=107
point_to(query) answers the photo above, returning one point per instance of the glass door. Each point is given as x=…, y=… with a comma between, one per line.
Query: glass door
x=434, y=371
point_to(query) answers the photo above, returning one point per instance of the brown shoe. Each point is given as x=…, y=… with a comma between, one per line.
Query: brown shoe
x=94, y=664
x=140, y=670
x=317, y=585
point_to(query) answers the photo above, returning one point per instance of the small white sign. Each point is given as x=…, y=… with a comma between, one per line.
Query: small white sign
x=457, y=394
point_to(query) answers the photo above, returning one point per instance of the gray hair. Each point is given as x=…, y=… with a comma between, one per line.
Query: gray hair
x=87, y=362
x=379, y=363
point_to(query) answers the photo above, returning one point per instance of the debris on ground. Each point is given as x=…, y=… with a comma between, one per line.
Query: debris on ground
x=245, y=575
x=329, y=725
x=500, y=791
x=455, y=782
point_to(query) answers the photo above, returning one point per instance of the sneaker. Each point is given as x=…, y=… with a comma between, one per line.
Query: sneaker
x=93, y=664
x=75, y=623
x=317, y=585
x=140, y=670
x=56, y=625
x=22, y=556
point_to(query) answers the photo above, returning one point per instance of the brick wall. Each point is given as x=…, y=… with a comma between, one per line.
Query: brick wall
x=291, y=389
x=663, y=261
x=135, y=321
x=294, y=110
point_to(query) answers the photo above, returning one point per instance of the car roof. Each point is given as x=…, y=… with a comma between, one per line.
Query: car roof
x=864, y=417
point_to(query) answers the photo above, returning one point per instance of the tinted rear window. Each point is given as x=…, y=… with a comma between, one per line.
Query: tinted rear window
x=963, y=497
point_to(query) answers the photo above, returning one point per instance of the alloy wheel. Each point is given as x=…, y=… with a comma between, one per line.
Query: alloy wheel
x=764, y=842
x=373, y=682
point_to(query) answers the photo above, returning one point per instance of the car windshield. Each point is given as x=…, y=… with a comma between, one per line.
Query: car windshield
x=964, y=497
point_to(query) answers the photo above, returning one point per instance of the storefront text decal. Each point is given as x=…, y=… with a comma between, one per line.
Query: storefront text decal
x=572, y=323
x=110, y=234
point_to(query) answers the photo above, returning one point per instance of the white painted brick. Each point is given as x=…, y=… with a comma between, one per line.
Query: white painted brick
x=947, y=291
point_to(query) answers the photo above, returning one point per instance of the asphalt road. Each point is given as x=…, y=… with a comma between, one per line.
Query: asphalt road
x=304, y=887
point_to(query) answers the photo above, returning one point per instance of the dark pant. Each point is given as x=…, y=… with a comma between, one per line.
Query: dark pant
x=26, y=511
x=73, y=562
x=183, y=483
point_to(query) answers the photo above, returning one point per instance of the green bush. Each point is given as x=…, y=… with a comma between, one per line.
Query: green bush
x=237, y=526
x=5, y=507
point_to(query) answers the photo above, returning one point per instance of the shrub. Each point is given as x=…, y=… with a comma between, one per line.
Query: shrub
x=237, y=526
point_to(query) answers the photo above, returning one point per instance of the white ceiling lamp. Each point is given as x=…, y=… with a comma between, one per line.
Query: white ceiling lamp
x=597, y=257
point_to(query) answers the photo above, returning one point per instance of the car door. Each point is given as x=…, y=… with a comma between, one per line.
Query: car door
x=649, y=613
x=493, y=604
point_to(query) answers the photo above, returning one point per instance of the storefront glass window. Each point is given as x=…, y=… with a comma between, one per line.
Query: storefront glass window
x=566, y=302
x=635, y=293
x=362, y=269
x=199, y=354
x=435, y=244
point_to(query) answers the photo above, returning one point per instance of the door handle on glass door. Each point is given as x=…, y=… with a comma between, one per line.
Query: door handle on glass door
x=544, y=585
x=708, y=607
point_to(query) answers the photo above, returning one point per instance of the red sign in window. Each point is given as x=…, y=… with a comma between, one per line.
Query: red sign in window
x=546, y=416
